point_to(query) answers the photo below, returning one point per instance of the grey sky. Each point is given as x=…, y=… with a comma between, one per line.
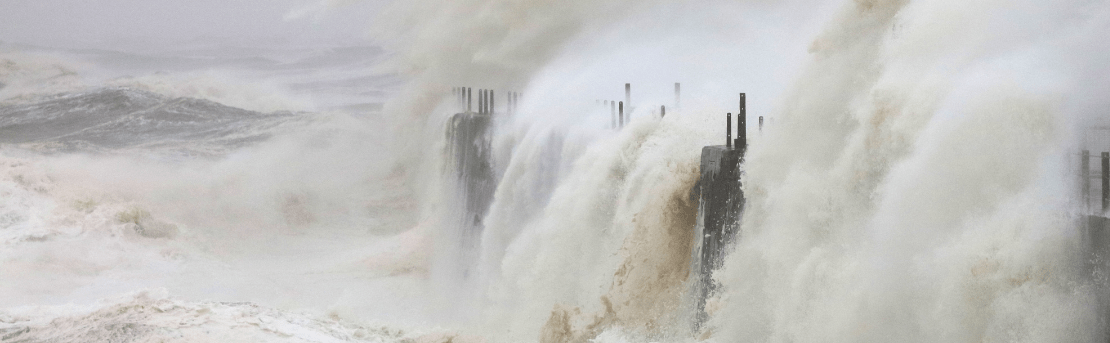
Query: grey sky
x=160, y=23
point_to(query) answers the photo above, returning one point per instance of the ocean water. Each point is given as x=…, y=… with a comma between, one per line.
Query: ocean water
x=915, y=180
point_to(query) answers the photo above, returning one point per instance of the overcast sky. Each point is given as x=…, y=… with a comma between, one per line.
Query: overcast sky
x=123, y=24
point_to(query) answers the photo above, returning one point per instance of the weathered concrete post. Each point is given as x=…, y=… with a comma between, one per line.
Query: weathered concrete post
x=1105, y=181
x=620, y=107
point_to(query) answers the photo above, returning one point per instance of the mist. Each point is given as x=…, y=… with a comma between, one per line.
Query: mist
x=285, y=170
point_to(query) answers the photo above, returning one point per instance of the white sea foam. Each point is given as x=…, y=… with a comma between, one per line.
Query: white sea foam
x=914, y=184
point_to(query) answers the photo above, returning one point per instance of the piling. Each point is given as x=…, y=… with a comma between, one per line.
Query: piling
x=620, y=107
x=1085, y=179
x=1105, y=181
x=492, y=108
x=742, y=125
x=613, y=113
x=760, y=123
x=662, y=111
x=469, y=99
x=728, y=130
x=677, y=93
x=628, y=95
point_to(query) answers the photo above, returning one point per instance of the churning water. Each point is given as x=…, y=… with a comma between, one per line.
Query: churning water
x=915, y=181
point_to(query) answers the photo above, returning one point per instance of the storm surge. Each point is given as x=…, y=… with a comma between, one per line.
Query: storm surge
x=914, y=183
x=915, y=180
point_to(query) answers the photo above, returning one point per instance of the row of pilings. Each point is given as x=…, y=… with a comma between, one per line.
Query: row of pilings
x=464, y=100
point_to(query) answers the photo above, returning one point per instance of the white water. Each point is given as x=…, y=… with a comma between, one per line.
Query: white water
x=914, y=185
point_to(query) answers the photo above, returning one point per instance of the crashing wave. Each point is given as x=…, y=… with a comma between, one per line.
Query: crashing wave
x=118, y=118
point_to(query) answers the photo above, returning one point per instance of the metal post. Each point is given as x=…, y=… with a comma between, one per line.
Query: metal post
x=628, y=95
x=620, y=107
x=469, y=98
x=1085, y=179
x=728, y=130
x=1105, y=180
x=662, y=111
x=677, y=93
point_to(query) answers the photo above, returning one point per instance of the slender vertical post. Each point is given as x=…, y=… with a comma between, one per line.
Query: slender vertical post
x=482, y=101
x=1105, y=181
x=469, y=98
x=620, y=107
x=1085, y=179
x=613, y=112
x=760, y=123
x=677, y=94
x=742, y=132
x=662, y=111
x=492, y=108
x=628, y=95
x=728, y=130
x=742, y=128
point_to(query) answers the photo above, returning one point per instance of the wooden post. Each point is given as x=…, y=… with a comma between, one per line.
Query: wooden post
x=728, y=130
x=491, y=102
x=1105, y=181
x=760, y=123
x=662, y=111
x=469, y=98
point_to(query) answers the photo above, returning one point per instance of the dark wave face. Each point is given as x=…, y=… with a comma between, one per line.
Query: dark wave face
x=121, y=118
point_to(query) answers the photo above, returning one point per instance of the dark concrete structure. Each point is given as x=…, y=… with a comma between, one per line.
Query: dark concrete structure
x=468, y=143
x=720, y=207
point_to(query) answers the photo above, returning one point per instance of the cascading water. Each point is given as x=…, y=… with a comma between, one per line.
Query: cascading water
x=913, y=183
